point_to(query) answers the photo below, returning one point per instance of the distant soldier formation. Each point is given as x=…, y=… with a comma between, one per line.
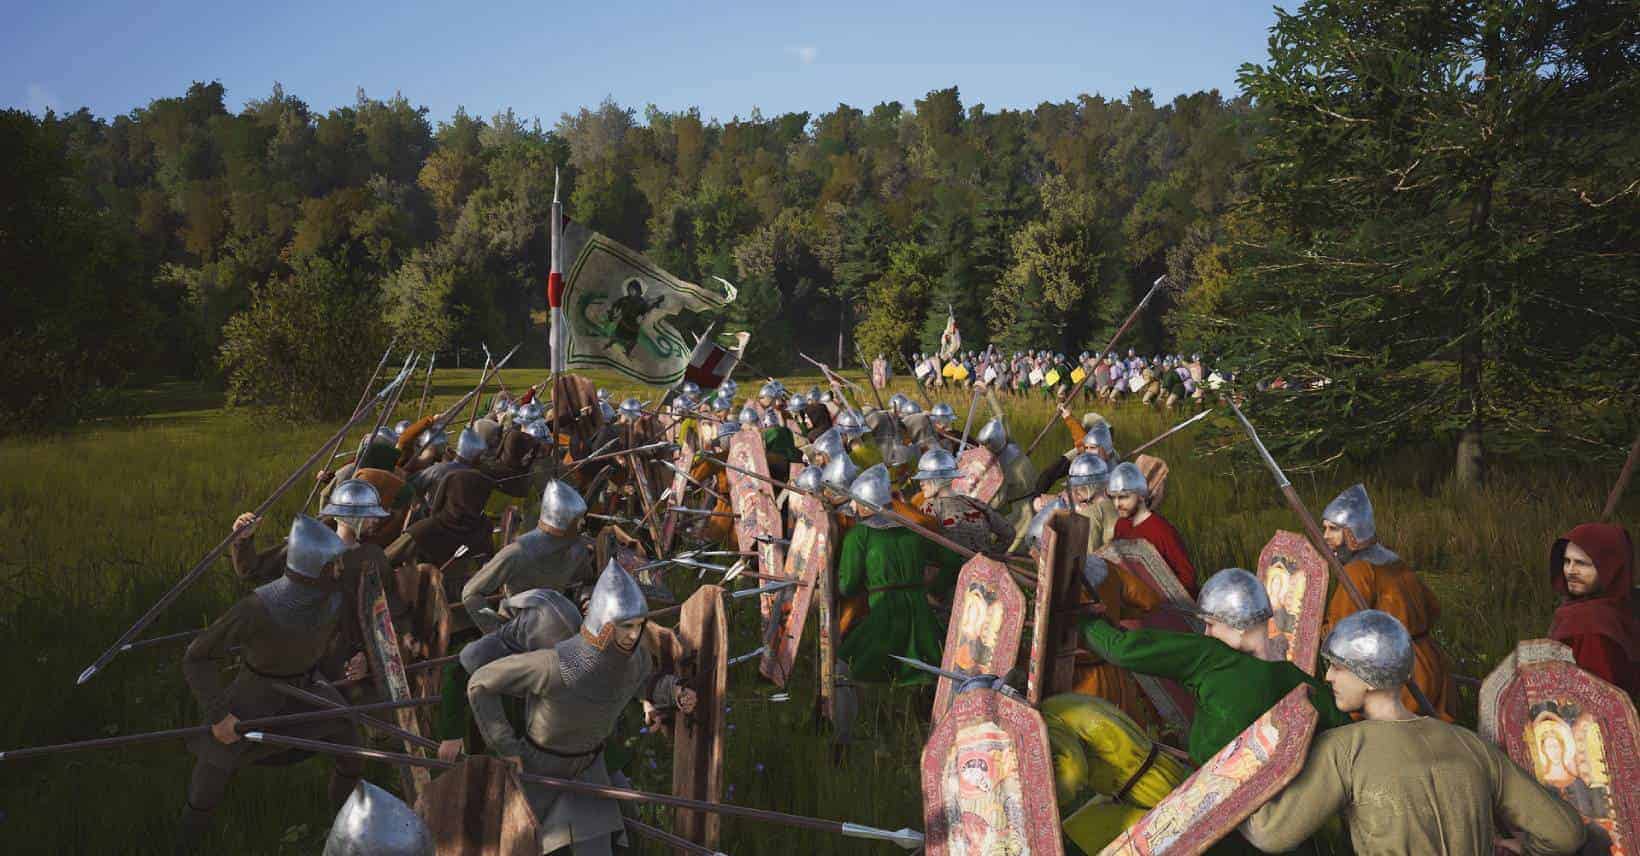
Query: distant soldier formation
x=1088, y=688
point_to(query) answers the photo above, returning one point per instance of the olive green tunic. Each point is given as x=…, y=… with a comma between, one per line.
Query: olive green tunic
x=1415, y=786
x=887, y=564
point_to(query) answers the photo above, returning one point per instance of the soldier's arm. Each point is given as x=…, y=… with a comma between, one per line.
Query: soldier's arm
x=487, y=581
x=1320, y=792
x=1149, y=652
x=518, y=675
x=1545, y=824
x=402, y=550
x=202, y=662
x=255, y=566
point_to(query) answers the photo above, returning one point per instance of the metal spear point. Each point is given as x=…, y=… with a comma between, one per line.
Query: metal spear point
x=768, y=589
x=750, y=655
x=1252, y=434
x=906, y=838
x=1170, y=432
x=959, y=677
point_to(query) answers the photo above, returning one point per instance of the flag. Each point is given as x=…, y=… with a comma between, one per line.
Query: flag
x=951, y=339
x=619, y=306
x=555, y=284
x=711, y=363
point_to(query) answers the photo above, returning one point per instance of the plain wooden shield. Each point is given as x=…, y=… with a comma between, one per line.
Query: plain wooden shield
x=697, y=748
x=478, y=809
x=1175, y=705
x=987, y=617
x=387, y=668
x=1059, y=553
x=981, y=474
x=987, y=780
x=1242, y=776
x=680, y=489
x=753, y=499
x=1577, y=734
x=808, y=558
x=1295, y=576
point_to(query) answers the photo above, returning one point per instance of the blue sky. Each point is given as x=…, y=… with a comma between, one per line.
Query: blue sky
x=545, y=58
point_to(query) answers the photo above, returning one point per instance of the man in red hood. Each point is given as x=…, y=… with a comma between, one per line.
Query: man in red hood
x=1592, y=568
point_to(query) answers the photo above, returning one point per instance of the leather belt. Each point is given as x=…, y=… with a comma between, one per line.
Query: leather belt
x=556, y=754
x=1150, y=759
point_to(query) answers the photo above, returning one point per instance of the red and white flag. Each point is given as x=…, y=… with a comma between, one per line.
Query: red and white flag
x=710, y=362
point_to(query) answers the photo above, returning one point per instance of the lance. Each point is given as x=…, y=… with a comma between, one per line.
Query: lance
x=249, y=725
x=555, y=283
x=426, y=386
x=334, y=446
x=734, y=595
x=364, y=396
x=607, y=455
x=907, y=838
x=1313, y=531
x=959, y=677
x=1622, y=482
x=386, y=412
x=915, y=381
x=198, y=570
x=1086, y=376
x=750, y=655
x=655, y=506
x=1170, y=432
x=1024, y=577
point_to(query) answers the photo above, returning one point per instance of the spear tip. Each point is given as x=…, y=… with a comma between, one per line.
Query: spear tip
x=89, y=673
x=252, y=736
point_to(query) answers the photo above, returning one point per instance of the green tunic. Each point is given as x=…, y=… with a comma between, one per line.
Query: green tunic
x=779, y=441
x=1231, y=688
x=888, y=564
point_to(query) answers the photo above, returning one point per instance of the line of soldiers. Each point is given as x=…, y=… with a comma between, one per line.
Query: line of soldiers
x=541, y=621
x=1165, y=380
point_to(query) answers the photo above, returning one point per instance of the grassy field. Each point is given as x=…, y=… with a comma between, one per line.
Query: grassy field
x=99, y=522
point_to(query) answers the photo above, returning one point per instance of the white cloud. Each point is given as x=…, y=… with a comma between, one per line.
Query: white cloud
x=39, y=99
x=806, y=54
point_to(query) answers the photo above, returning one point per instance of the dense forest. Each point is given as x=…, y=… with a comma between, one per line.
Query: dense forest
x=1425, y=213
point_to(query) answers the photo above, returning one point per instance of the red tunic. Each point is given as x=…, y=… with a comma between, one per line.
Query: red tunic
x=1167, y=542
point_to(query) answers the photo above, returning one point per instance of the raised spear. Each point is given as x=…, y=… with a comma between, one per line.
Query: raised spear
x=968, y=422
x=908, y=839
x=199, y=569
x=1313, y=531
x=915, y=381
x=248, y=725
x=1024, y=577
x=426, y=386
x=1170, y=432
x=335, y=443
x=1086, y=376
x=1622, y=482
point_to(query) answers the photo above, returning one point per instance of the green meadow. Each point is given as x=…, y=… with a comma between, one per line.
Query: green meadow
x=100, y=521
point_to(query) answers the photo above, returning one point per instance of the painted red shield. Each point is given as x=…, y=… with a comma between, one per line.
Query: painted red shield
x=1244, y=775
x=1295, y=576
x=1575, y=733
x=987, y=780
x=386, y=661
x=753, y=500
x=981, y=474
x=1059, y=553
x=987, y=614
x=1140, y=558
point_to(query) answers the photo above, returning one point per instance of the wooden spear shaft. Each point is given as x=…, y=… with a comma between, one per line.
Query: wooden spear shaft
x=1622, y=485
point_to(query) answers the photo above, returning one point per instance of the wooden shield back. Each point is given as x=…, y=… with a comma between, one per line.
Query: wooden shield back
x=511, y=523
x=1059, y=552
x=981, y=474
x=697, y=749
x=680, y=489
x=387, y=668
x=987, y=780
x=987, y=616
x=1242, y=776
x=1295, y=576
x=807, y=559
x=1577, y=734
x=1175, y=705
x=753, y=500
x=571, y=394
x=479, y=809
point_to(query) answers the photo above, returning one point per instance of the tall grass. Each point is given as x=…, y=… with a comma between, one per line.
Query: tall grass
x=98, y=523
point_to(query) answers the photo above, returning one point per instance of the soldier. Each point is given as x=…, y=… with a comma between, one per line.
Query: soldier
x=279, y=632
x=719, y=526
x=455, y=519
x=1084, y=494
x=469, y=446
x=963, y=519
x=554, y=556
x=373, y=822
x=1406, y=783
x=1131, y=494
x=779, y=444
x=1591, y=568
x=1018, y=474
x=1387, y=584
x=851, y=427
x=574, y=692
x=943, y=417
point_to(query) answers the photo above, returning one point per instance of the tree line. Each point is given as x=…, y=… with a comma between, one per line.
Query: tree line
x=1421, y=214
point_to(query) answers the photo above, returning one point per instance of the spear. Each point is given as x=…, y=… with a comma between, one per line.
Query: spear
x=1313, y=531
x=478, y=400
x=670, y=839
x=734, y=595
x=1024, y=577
x=1622, y=482
x=489, y=372
x=419, y=665
x=915, y=381
x=908, y=839
x=426, y=386
x=968, y=422
x=1086, y=376
x=1170, y=432
x=248, y=725
x=335, y=444
x=198, y=570
x=314, y=698
x=749, y=655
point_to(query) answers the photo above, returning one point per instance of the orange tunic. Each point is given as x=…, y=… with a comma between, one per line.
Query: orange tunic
x=720, y=528
x=1397, y=590
x=1125, y=598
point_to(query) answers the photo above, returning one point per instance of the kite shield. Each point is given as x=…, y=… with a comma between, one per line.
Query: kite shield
x=1172, y=702
x=479, y=809
x=981, y=474
x=1295, y=576
x=1053, y=632
x=987, y=780
x=987, y=615
x=697, y=750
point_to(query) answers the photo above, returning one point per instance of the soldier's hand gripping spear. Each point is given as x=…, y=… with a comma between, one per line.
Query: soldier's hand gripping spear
x=198, y=570
x=1087, y=376
x=1313, y=531
x=908, y=839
